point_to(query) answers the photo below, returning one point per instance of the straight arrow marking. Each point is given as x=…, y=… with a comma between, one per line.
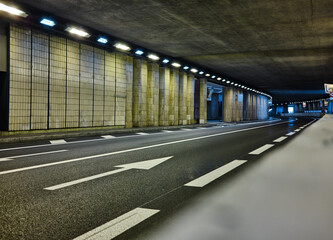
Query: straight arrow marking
x=144, y=165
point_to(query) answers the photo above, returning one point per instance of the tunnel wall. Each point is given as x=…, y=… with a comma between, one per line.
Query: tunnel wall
x=244, y=106
x=56, y=82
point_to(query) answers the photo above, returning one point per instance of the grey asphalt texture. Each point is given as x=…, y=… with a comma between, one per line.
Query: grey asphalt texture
x=27, y=211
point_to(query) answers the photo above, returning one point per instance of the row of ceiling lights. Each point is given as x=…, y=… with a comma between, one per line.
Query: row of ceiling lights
x=125, y=47
x=309, y=101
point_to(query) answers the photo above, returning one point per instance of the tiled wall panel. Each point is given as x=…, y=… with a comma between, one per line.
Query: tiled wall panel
x=109, y=89
x=98, y=87
x=40, y=68
x=86, y=85
x=73, y=84
x=120, y=89
x=20, y=78
x=58, y=58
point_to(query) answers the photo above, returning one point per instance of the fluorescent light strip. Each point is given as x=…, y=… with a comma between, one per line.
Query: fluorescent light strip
x=177, y=65
x=139, y=52
x=102, y=40
x=12, y=10
x=78, y=32
x=48, y=22
x=122, y=46
x=153, y=57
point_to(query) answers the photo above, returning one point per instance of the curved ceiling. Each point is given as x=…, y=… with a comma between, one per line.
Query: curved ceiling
x=281, y=47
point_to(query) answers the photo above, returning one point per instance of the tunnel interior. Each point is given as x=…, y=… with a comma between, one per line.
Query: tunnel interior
x=214, y=101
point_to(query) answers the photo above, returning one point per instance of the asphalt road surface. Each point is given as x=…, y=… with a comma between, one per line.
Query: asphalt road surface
x=123, y=186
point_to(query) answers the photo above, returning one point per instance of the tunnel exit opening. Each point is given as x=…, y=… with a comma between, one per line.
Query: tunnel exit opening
x=214, y=102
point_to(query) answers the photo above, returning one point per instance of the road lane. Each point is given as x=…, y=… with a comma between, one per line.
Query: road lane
x=78, y=209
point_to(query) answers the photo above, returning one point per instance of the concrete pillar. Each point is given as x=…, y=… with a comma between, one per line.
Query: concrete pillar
x=173, y=97
x=203, y=101
x=190, y=99
x=140, y=73
x=164, y=96
x=182, y=99
x=153, y=82
x=233, y=105
x=129, y=93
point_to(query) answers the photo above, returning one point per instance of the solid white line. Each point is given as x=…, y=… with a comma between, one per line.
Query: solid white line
x=31, y=154
x=213, y=175
x=280, y=139
x=60, y=141
x=130, y=136
x=108, y=136
x=115, y=227
x=290, y=134
x=86, y=179
x=261, y=149
x=142, y=133
x=131, y=150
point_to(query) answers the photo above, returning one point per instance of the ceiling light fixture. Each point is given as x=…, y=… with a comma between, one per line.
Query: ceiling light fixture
x=78, y=32
x=12, y=10
x=102, y=40
x=122, y=46
x=47, y=22
x=153, y=57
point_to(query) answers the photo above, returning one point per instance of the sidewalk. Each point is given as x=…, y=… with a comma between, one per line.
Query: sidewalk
x=36, y=135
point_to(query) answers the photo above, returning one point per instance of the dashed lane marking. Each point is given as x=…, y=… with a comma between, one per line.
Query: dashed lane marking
x=142, y=133
x=167, y=131
x=135, y=149
x=215, y=174
x=117, y=226
x=60, y=141
x=261, y=149
x=108, y=136
x=290, y=134
x=280, y=139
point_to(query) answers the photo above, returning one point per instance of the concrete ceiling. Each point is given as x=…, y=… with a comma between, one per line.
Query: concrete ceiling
x=282, y=47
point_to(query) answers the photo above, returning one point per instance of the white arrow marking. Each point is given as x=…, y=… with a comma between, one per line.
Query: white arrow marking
x=145, y=165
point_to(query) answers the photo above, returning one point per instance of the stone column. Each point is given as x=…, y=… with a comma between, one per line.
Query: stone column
x=203, y=101
x=140, y=73
x=173, y=97
x=164, y=96
x=153, y=94
x=129, y=92
x=228, y=104
x=190, y=100
x=182, y=99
